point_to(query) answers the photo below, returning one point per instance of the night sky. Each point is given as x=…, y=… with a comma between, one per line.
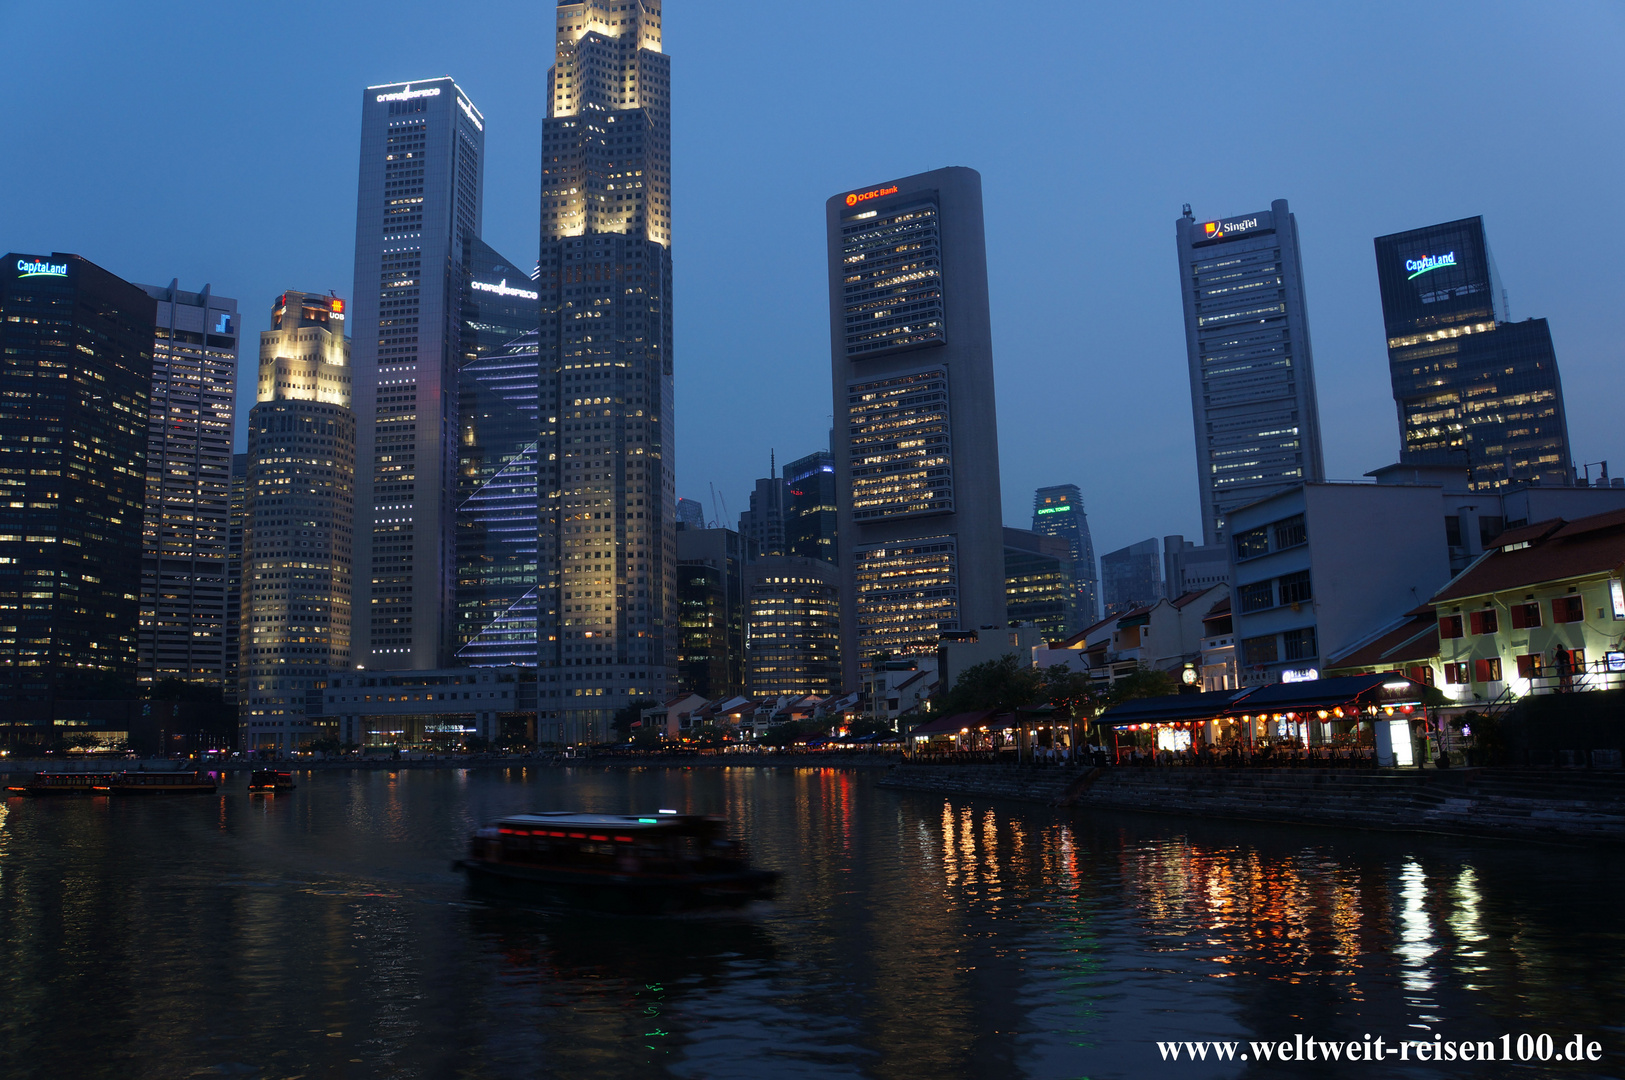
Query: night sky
x=218, y=143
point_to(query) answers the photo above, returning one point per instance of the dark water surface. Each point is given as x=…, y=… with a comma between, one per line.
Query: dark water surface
x=322, y=934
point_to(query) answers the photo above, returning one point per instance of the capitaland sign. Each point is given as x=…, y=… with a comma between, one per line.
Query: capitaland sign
x=502, y=288
x=408, y=94
x=1054, y=509
x=32, y=268
x=874, y=193
x=1418, y=267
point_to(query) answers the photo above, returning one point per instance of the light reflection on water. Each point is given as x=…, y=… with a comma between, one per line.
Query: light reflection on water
x=322, y=934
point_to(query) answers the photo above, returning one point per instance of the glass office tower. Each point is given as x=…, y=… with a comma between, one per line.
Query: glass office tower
x=1131, y=577
x=810, y=518
x=607, y=611
x=1039, y=586
x=917, y=463
x=794, y=635
x=1058, y=511
x=418, y=210
x=75, y=379
x=185, y=559
x=1471, y=388
x=1251, y=369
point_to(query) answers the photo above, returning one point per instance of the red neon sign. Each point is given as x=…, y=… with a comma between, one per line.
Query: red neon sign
x=864, y=196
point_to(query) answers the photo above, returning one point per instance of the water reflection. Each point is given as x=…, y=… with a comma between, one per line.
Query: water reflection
x=916, y=936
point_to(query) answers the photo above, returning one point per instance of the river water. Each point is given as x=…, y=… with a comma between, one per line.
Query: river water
x=322, y=934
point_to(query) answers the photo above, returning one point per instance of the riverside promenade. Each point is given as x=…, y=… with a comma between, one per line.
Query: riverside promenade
x=1554, y=805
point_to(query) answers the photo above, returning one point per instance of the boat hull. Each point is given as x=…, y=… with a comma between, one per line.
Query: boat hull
x=624, y=894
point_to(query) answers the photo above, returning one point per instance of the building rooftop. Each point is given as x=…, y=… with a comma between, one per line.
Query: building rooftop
x=1557, y=550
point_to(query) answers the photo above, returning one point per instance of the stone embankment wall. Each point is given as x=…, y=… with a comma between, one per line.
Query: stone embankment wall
x=1559, y=805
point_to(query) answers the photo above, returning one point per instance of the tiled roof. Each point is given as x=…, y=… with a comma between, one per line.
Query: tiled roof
x=1192, y=596
x=1415, y=638
x=1558, y=551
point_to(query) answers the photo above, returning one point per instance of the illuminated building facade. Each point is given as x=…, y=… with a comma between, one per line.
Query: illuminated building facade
x=916, y=455
x=496, y=519
x=185, y=556
x=299, y=497
x=1058, y=511
x=810, y=527
x=1251, y=368
x=711, y=612
x=234, y=572
x=794, y=633
x=76, y=374
x=1038, y=582
x=418, y=212
x=607, y=610
x=1472, y=389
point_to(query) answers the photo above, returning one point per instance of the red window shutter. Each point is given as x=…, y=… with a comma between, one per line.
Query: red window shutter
x=1487, y=670
x=1450, y=626
x=1567, y=609
x=1528, y=664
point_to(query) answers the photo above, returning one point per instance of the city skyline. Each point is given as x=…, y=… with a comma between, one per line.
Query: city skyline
x=1344, y=190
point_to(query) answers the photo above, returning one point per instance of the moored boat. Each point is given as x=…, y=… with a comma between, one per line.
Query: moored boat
x=650, y=865
x=269, y=781
x=120, y=783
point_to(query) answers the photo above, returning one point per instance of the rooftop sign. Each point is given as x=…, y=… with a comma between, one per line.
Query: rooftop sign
x=874, y=193
x=503, y=289
x=408, y=94
x=1054, y=509
x=32, y=268
x=1418, y=267
x=1229, y=229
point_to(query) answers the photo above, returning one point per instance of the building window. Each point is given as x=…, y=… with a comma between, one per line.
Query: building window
x=1252, y=543
x=1259, y=651
x=1567, y=609
x=1525, y=616
x=1450, y=626
x=1423, y=674
x=1528, y=666
x=1290, y=533
x=1300, y=644
x=1258, y=596
x=1487, y=670
x=1484, y=622
x=1455, y=674
x=1295, y=588
x=1452, y=530
x=1488, y=529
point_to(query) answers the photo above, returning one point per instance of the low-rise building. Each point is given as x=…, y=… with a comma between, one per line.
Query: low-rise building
x=1317, y=566
x=1169, y=635
x=426, y=710
x=1542, y=611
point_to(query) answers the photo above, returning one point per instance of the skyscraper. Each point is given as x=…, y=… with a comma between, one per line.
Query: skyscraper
x=497, y=498
x=917, y=450
x=297, y=566
x=762, y=527
x=711, y=620
x=1058, y=511
x=76, y=375
x=234, y=574
x=793, y=646
x=1472, y=389
x=418, y=211
x=1039, y=586
x=185, y=556
x=1251, y=368
x=809, y=518
x=1131, y=577
x=607, y=611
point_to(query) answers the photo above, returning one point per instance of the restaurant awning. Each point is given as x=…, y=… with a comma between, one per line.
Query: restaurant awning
x=953, y=725
x=1172, y=708
x=1350, y=690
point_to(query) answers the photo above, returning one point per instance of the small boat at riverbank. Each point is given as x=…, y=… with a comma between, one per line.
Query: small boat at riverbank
x=650, y=865
x=120, y=783
x=269, y=782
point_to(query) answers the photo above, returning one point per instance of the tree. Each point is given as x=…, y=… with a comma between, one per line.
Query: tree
x=1143, y=682
x=1003, y=685
x=629, y=714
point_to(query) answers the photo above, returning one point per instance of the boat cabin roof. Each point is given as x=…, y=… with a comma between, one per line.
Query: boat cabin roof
x=620, y=822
